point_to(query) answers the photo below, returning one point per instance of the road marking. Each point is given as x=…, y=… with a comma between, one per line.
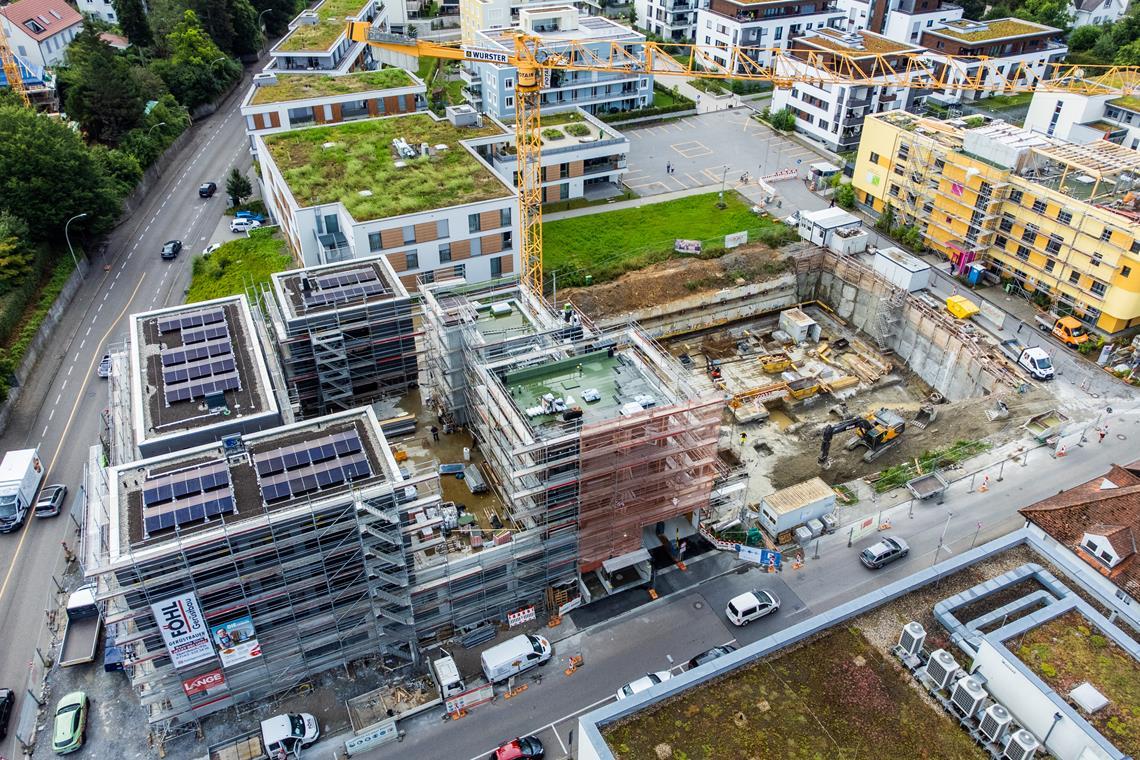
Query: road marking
x=63, y=437
x=553, y=723
x=147, y=228
x=83, y=341
x=58, y=397
x=88, y=331
x=69, y=369
x=52, y=415
x=43, y=435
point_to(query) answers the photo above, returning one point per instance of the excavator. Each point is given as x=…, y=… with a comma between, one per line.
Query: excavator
x=878, y=431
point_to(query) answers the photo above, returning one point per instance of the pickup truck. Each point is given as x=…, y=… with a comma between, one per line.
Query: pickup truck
x=281, y=735
x=21, y=473
x=84, y=624
x=1068, y=330
x=1033, y=359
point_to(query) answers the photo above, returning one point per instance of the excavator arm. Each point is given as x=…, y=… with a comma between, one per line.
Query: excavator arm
x=830, y=431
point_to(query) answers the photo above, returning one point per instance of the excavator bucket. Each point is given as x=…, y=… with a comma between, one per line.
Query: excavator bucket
x=926, y=414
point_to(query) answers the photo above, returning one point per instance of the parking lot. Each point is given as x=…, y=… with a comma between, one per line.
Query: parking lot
x=707, y=149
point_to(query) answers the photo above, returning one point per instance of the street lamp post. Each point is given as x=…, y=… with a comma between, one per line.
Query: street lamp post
x=261, y=25
x=154, y=127
x=67, y=236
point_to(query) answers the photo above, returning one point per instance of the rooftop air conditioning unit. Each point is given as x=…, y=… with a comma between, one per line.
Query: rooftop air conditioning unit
x=912, y=638
x=265, y=79
x=941, y=668
x=995, y=721
x=968, y=696
x=308, y=18
x=1021, y=745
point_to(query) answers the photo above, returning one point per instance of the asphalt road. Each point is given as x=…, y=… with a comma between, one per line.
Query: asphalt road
x=60, y=409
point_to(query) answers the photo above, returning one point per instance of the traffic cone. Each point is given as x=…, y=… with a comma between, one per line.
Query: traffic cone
x=985, y=486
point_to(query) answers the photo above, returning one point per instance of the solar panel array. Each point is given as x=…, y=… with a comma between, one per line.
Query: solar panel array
x=342, y=287
x=292, y=471
x=205, y=362
x=186, y=496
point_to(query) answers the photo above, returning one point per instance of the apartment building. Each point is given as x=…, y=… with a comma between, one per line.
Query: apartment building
x=1052, y=217
x=726, y=24
x=39, y=31
x=903, y=20
x=409, y=187
x=479, y=15
x=674, y=20
x=104, y=10
x=1086, y=117
x=1096, y=11
x=581, y=157
x=833, y=113
x=491, y=87
x=1015, y=51
x=278, y=102
x=318, y=41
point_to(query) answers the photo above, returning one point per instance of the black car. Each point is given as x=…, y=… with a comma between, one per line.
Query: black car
x=207, y=190
x=7, y=701
x=711, y=655
x=171, y=249
x=884, y=552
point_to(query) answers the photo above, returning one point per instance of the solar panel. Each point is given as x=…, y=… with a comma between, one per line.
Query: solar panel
x=208, y=368
x=347, y=277
x=191, y=319
x=209, y=332
x=343, y=293
x=173, y=356
x=196, y=389
x=186, y=496
x=292, y=471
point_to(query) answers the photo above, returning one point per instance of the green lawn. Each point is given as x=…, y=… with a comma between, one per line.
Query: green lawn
x=607, y=244
x=235, y=266
x=661, y=99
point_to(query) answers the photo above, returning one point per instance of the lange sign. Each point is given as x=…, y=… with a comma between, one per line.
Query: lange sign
x=490, y=56
x=184, y=629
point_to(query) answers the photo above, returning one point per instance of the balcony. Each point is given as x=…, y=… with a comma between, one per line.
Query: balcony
x=470, y=77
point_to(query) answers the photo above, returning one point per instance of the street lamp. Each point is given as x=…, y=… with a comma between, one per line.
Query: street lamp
x=67, y=235
x=262, y=26
x=211, y=63
x=155, y=126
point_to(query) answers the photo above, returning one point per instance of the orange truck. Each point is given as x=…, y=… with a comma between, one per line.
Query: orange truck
x=1068, y=330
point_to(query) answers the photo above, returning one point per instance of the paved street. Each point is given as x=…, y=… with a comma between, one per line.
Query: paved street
x=706, y=149
x=59, y=410
x=666, y=633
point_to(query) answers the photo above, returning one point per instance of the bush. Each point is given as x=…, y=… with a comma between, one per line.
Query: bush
x=618, y=116
x=13, y=352
x=577, y=130
x=845, y=197
x=783, y=120
x=550, y=133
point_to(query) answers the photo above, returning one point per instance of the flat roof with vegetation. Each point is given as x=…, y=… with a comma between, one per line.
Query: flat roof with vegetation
x=303, y=86
x=967, y=31
x=1128, y=102
x=326, y=31
x=871, y=44
x=336, y=163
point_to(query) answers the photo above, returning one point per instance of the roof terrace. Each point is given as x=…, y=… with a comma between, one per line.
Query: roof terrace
x=330, y=25
x=333, y=287
x=290, y=87
x=966, y=30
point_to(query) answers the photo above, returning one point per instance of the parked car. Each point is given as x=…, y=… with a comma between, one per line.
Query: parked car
x=249, y=215
x=752, y=605
x=793, y=221
x=643, y=683
x=244, y=224
x=51, y=500
x=70, y=728
x=207, y=189
x=7, y=702
x=104, y=370
x=211, y=248
x=884, y=552
x=522, y=748
x=171, y=249
x=710, y=655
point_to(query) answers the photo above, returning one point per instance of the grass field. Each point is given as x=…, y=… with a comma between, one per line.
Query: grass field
x=610, y=243
x=835, y=697
x=236, y=265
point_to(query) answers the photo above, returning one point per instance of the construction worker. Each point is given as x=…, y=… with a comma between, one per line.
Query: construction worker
x=434, y=433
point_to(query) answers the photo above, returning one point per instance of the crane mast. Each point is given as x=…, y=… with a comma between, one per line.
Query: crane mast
x=532, y=58
x=12, y=69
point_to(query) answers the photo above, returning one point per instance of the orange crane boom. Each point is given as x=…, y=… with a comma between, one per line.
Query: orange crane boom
x=532, y=57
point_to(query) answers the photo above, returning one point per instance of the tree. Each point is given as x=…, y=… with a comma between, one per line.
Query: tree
x=845, y=197
x=783, y=120
x=133, y=21
x=16, y=257
x=238, y=187
x=1047, y=12
x=99, y=89
x=1084, y=37
x=632, y=16
x=1129, y=55
x=247, y=35
x=192, y=71
x=216, y=21
x=47, y=175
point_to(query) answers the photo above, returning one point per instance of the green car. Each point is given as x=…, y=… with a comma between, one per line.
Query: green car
x=70, y=723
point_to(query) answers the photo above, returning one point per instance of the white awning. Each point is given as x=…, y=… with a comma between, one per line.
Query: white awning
x=614, y=564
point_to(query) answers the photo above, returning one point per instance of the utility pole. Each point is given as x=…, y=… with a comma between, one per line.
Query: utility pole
x=67, y=236
x=942, y=538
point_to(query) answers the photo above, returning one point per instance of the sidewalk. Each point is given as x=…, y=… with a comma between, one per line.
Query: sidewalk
x=646, y=200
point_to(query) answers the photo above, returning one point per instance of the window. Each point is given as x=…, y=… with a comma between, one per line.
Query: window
x=1015, y=196
x=473, y=223
x=476, y=246
x=1000, y=241
x=496, y=267
x=1065, y=217
x=1050, y=264
x=874, y=158
x=428, y=277
x=1022, y=253
x=509, y=101
x=1039, y=206
x=1091, y=545
x=1135, y=246
x=374, y=243
x=509, y=83
x=1105, y=234
x=1099, y=288
x=1097, y=259
x=506, y=241
x=413, y=260
x=779, y=33
x=409, y=234
x=504, y=217
x=460, y=270
x=1074, y=278
x=441, y=229
x=1054, y=244
x=445, y=253
x=1125, y=271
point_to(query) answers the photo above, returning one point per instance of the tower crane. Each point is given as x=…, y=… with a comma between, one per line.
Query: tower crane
x=12, y=69
x=533, y=58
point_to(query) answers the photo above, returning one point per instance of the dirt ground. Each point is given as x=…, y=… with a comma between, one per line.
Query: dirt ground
x=677, y=278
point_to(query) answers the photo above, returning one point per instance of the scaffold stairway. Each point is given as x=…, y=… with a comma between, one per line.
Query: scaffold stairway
x=887, y=318
x=333, y=372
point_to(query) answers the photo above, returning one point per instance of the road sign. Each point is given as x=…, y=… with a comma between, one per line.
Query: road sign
x=765, y=557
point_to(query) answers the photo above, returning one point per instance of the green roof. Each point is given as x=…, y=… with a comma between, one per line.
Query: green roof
x=360, y=157
x=321, y=35
x=302, y=86
x=1130, y=102
x=994, y=30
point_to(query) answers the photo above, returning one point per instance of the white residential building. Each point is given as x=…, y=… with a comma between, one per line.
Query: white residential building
x=103, y=10
x=491, y=86
x=1082, y=118
x=410, y=187
x=902, y=20
x=39, y=31
x=726, y=24
x=1086, y=12
x=832, y=114
x=669, y=19
x=481, y=15
x=318, y=41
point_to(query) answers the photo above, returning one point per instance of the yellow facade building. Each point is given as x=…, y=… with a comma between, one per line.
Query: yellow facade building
x=1056, y=218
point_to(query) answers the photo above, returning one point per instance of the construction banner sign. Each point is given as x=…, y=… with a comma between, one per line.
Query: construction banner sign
x=184, y=629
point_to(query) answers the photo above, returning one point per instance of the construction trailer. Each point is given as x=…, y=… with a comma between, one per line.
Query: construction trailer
x=281, y=553
x=345, y=334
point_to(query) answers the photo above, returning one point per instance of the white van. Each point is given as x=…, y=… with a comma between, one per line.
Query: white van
x=514, y=656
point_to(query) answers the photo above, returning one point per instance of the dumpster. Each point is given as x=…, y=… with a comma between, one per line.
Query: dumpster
x=961, y=307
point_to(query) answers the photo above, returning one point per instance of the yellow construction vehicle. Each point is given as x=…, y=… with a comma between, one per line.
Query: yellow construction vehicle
x=534, y=59
x=777, y=362
x=878, y=431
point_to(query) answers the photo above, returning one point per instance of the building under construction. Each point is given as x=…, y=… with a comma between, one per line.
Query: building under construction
x=344, y=334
